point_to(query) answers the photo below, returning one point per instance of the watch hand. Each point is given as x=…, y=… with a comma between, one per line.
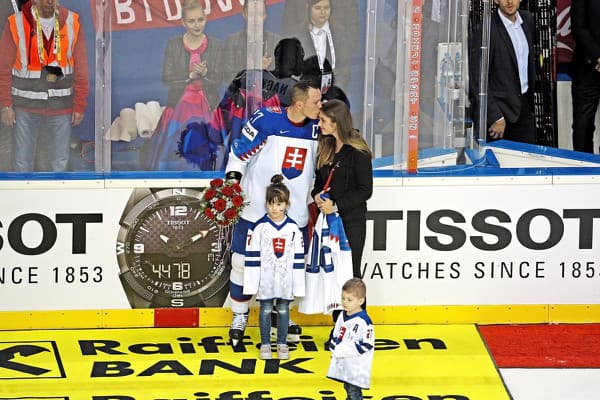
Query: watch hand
x=164, y=238
x=192, y=240
x=200, y=235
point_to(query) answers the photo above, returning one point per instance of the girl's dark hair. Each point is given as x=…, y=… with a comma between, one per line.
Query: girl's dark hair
x=277, y=191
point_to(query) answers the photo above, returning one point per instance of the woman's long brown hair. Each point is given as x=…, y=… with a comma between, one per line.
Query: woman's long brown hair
x=339, y=113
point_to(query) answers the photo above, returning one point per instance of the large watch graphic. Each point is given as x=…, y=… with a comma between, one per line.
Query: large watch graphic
x=169, y=253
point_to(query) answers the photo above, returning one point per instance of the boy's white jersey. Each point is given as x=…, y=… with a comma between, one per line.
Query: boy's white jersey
x=274, y=260
x=271, y=144
x=353, y=345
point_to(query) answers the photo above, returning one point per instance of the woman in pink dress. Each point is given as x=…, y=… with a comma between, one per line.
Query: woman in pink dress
x=191, y=72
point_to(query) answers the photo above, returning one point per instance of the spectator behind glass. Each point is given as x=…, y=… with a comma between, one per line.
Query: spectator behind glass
x=294, y=14
x=585, y=88
x=329, y=90
x=327, y=37
x=192, y=73
x=235, y=48
x=511, y=77
x=191, y=67
x=45, y=94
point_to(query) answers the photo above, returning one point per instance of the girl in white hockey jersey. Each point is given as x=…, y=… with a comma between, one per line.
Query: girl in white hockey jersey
x=274, y=266
x=352, y=342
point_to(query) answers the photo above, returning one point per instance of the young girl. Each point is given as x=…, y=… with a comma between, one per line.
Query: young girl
x=274, y=266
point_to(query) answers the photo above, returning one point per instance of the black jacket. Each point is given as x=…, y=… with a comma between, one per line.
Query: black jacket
x=351, y=184
x=235, y=52
x=585, y=24
x=176, y=70
x=344, y=48
x=504, y=86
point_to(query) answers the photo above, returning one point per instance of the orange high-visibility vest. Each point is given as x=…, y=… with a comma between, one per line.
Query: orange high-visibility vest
x=28, y=88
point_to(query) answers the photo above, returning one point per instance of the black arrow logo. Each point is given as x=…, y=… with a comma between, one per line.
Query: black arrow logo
x=25, y=351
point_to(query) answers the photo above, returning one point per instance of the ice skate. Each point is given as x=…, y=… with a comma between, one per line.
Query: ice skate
x=294, y=330
x=238, y=326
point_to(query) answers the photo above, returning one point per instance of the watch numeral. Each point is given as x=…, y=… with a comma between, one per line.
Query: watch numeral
x=178, y=286
x=176, y=302
x=178, y=211
x=138, y=248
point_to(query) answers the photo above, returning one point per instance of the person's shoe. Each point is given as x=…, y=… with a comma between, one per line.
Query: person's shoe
x=265, y=352
x=283, y=351
x=238, y=326
x=294, y=330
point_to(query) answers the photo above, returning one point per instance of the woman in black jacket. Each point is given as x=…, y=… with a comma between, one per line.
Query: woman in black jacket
x=345, y=173
x=191, y=61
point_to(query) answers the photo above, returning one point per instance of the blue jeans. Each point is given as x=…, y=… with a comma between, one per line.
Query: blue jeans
x=46, y=136
x=354, y=392
x=283, y=319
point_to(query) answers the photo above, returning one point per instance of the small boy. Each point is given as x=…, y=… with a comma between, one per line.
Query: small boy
x=353, y=342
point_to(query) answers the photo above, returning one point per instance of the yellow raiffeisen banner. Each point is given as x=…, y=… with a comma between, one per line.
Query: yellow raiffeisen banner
x=446, y=245
x=411, y=363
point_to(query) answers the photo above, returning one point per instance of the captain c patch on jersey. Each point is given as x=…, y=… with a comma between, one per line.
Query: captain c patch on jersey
x=293, y=162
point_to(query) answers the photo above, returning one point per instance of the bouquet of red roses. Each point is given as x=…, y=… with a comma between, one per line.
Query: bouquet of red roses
x=223, y=202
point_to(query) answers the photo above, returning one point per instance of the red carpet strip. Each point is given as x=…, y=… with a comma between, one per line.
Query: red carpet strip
x=543, y=346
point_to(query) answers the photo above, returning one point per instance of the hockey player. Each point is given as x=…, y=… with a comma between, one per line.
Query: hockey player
x=274, y=141
x=229, y=117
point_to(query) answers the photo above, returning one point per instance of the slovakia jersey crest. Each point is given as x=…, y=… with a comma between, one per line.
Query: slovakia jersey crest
x=278, y=246
x=293, y=162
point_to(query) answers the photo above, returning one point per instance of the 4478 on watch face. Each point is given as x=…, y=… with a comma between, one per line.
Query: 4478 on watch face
x=169, y=253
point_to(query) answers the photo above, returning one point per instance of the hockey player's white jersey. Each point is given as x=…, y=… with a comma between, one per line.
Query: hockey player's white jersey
x=271, y=144
x=274, y=260
x=328, y=266
x=353, y=346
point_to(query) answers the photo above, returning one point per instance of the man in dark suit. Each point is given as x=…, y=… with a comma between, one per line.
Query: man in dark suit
x=235, y=48
x=511, y=77
x=585, y=87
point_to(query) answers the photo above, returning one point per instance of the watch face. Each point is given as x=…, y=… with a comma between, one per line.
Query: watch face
x=169, y=253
